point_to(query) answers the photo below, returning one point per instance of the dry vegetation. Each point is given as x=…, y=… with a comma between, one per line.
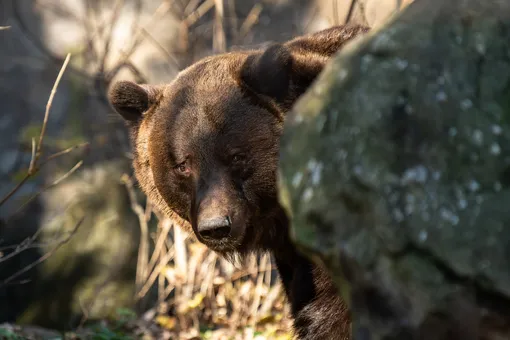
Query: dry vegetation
x=201, y=294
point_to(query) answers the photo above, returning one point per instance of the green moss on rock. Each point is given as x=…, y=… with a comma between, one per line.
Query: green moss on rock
x=399, y=155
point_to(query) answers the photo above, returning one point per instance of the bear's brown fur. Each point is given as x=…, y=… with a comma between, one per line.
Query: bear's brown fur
x=206, y=152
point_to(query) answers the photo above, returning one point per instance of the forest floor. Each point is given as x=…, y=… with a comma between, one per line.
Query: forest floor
x=205, y=297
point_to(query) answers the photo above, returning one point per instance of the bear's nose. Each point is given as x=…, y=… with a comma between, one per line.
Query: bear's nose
x=215, y=228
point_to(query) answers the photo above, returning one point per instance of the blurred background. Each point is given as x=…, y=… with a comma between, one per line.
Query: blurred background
x=81, y=250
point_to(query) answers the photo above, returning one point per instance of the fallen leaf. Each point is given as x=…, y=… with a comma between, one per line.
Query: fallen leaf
x=166, y=321
x=196, y=301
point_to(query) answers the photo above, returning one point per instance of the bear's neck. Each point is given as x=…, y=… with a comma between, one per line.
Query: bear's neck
x=296, y=274
x=296, y=271
x=317, y=309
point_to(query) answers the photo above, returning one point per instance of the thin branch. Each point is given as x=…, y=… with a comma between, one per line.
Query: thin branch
x=47, y=113
x=164, y=228
x=350, y=12
x=336, y=19
x=154, y=274
x=113, y=21
x=233, y=19
x=17, y=10
x=43, y=257
x=37, y=169
x=190, y=7
x=362, y=11
x=160, y=47
x=63, y=152
x=162, y=9
x=3, y=28
x=314, y=12
x=57, y=181
x=33, y=169
x=27, y=243
x=32, y=158
x=270, y=298
x=219, y=41
x=14, y=190
x=194, y=16
x=143, y=248
x=251, y=19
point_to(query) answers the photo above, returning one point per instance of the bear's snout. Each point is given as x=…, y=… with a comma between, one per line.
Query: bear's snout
x=217, y=213
x=215, y=228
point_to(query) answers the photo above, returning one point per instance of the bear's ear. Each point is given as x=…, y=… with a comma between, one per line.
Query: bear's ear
x=269, y=72
x=131, y=100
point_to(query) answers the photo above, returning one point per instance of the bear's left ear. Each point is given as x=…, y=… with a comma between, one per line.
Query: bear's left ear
x=131, y=100
x=269, y=72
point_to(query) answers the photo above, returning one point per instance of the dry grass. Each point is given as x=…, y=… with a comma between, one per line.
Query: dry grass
x=201, y=294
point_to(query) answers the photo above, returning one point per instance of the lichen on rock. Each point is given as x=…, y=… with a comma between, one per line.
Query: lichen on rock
x=397, y=170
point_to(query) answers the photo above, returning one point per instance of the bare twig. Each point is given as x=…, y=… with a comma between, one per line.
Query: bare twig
x=336, y=19
x=143, y=249
x=348, y=17
x=160, y=47
x=219, y=41
x=164, y=228
x=14, y=190
x=37, y=150
x=152, y=277
x=27, y=243
x=2, y=28
x=251, y=19
x=314, y=12
x=233, y=19
x=162, y=9
x=181, y=258
x=270, y=298
x=43, y=163
x=194, y=16
x=32, y=158
x=64, y=152
x=190, y=7
x=112, y=22
x=258, y=289
x=52, y=184
x=45, y=256
x=17, y=12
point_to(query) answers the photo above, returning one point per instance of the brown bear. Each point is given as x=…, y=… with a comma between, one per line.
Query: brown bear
x=206, y=151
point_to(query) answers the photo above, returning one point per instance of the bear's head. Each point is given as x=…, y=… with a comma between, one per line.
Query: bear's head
x=206, y=145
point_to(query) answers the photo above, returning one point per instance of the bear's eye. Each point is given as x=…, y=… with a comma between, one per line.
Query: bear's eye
x=237, y=158
x=183, y=168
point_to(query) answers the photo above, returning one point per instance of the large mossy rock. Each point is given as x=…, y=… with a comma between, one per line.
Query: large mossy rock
x=396, y=171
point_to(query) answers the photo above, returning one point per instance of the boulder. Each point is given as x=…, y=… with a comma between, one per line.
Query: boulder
x=395, y=169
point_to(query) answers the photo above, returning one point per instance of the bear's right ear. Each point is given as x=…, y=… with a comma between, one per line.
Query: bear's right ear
x=131, y=100
x=269, y=72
